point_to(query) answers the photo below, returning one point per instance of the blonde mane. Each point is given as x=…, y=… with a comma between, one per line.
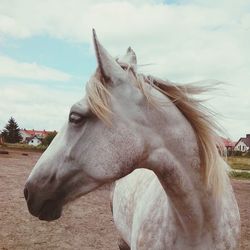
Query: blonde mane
x=200, y=118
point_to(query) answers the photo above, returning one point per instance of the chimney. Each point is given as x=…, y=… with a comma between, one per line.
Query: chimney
x=248, y=135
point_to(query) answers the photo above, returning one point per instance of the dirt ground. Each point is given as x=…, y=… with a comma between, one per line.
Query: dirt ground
x=86, y=224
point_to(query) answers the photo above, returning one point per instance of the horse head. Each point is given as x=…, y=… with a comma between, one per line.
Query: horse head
x=99, y=143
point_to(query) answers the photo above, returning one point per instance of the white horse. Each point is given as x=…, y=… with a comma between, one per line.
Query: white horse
x=175, y=193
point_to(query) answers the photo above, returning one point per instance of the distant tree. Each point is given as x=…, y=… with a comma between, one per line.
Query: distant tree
x=49, y=138
x=1, y=138
x=11, y=132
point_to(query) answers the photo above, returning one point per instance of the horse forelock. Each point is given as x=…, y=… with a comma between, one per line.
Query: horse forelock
x=98, y=98
x=200, y=118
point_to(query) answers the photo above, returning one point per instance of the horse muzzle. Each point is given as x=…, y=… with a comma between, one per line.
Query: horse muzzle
x=41, y=207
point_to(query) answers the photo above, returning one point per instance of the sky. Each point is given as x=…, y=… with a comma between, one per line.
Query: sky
x=47, y=56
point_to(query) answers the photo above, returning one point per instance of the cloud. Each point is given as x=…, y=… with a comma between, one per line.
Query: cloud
x=36, y=106
x=14, y=69
x=188, y=41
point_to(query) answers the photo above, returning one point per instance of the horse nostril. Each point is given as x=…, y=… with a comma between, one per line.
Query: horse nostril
x=26, y=193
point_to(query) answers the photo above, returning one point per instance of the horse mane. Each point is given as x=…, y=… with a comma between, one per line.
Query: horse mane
x=199, y=116
x=201, y=119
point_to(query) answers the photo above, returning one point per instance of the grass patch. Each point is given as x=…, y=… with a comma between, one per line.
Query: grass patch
x=242, y=163
x=25, y=147
x=240, y=175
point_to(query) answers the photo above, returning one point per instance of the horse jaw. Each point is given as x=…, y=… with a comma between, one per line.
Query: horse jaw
x=47, y=189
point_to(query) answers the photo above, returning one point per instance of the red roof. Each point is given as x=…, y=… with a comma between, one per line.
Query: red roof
x=33, y=132
x=227, y=142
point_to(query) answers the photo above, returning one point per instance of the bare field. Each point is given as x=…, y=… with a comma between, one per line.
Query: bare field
x=86, y=224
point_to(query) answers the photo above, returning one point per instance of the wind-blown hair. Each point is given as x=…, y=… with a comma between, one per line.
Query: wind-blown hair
x=212, y=166
x=98, y=97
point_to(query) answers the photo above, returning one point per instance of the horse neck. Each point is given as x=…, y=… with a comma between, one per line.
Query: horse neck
x=174, y=158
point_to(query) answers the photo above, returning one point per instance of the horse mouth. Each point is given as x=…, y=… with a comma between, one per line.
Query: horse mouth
x=51, y=210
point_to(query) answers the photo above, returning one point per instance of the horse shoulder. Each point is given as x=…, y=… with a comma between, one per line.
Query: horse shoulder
x=154, y=222
x=141, y=211
x=126, y=196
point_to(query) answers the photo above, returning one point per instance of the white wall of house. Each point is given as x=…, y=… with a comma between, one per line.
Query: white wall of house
x=241, y=146
x=35, y=142
x=24, y=135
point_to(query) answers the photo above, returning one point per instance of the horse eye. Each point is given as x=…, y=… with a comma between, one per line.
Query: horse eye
x=75, y=118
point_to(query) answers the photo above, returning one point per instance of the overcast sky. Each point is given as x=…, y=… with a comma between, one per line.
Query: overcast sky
x=46, y=52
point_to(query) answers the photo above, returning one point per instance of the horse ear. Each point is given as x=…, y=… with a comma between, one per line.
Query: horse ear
x=109, y=68
x=129, y=58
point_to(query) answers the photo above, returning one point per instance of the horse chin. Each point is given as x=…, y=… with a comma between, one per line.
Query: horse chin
x=51, y=210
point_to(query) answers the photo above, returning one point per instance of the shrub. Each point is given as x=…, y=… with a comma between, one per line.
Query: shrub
x=237, y=153
x=42, y=147
x=247, y=154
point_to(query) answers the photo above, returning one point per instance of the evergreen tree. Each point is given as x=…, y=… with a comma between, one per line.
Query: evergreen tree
x=11, y=132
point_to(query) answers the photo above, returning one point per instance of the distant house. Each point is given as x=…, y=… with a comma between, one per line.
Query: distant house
x=228, y=145
x=243, y=144
x=25, y=135
x=35, y=135
x=34, y=141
